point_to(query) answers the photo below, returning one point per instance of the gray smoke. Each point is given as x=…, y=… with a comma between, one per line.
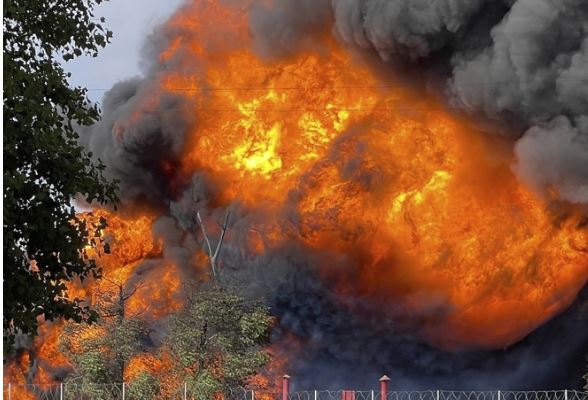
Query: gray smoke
x=306, y=19
x=555, y=154
x=402, y=28
x=343, y=349
x=535, y=67
x=139, y=138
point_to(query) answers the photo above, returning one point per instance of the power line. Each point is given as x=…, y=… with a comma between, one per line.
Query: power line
x=331, y=109
x=214, y=89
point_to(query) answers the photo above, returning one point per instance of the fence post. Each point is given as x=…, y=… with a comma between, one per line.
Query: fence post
x=61, y=391
x=384, y=380
x=316, y=394
x=123, y=391
x=285, y=387
x=566, y=394
x=438, y=394
x=498, y=395
x=372, y=396
x=9, y=391
x=185, y=391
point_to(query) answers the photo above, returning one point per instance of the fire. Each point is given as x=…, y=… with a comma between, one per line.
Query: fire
x=426, y=208
x=128, y=242
x=274, y=135
x=260, y=121
x=422, y=214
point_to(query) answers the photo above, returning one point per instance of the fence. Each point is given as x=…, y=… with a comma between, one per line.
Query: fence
x=439, y=395
x=183, y=392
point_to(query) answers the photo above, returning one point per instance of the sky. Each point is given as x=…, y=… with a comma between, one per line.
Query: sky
x=130, y=21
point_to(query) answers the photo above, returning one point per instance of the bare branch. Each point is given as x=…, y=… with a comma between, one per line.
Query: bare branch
x=213, y=255
x=203, y=229
x=130, y=294
x=222, y=236
x=211, y=338
x=114, y=283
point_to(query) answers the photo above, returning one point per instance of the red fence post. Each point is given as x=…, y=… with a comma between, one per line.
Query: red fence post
x=285, y=387
x=348, y=395
x=384, y=380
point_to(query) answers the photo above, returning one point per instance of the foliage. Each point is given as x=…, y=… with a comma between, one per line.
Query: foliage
x=217, y=339
x=44, y=167
x=100, y=352
x=144, y=387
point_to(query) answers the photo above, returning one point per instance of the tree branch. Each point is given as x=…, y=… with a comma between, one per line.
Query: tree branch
x=214, y=255
x=222, y=236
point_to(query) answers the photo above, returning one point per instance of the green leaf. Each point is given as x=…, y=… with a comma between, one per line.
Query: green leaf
x=45, y=168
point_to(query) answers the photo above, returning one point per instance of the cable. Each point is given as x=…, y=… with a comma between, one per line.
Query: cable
x=341, y=87
x=331, y=109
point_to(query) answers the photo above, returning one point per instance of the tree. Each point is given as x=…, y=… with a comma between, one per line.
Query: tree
x=44, y=167
x=100, y=353
x=217, y=339
x=213, y=254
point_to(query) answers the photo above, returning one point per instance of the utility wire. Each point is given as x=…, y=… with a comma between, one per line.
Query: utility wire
x=214, y=89
x=332, y=109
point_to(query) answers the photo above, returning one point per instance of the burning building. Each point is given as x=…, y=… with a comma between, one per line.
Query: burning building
x=407, y=181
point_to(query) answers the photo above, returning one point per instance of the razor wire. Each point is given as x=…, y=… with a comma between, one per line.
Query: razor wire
x=544, y=395
x=37, y=392
x=94, y=391
x=184, y=392
x=334, y=395
x=248, y=394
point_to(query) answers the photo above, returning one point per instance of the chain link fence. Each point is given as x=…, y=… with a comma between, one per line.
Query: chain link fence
x=183, y=392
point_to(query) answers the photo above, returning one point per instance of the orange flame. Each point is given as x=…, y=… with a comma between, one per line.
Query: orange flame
x=428, y=207
x=130, y=241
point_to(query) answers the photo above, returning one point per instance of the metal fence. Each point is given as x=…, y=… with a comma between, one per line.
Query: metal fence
x=439, y=395
x=183, y=392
